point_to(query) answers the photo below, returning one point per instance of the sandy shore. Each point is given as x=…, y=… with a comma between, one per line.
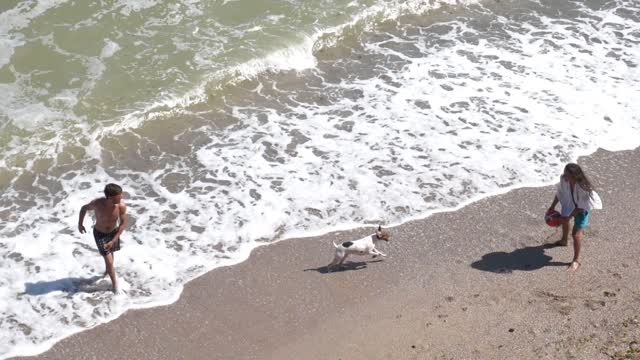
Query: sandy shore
x=477, y=283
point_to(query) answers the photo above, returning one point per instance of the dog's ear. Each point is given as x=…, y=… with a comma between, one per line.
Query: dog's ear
x=379, y=228
x=383, y=235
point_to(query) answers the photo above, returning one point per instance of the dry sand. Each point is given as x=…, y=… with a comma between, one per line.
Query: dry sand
x=477, y=283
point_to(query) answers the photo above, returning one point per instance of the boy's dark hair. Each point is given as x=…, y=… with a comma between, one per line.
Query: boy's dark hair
x=112, y=190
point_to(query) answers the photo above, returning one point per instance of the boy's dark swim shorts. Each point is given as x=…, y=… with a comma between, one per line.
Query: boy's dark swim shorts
x=102, y=239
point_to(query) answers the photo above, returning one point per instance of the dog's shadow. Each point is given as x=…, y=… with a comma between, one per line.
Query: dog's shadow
x=347, y=266
x=525, y=259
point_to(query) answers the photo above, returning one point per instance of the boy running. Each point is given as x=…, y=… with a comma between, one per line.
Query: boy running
x=110, y=223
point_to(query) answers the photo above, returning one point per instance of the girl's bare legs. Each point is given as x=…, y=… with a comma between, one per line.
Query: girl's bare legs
x=577, y=244
x=565, y=234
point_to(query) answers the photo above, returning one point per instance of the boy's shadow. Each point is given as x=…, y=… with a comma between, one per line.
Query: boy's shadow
x=69, y=285
x=347, y=266
x=525, y=259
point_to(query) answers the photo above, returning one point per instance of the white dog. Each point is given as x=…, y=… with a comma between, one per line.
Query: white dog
x=364, y=246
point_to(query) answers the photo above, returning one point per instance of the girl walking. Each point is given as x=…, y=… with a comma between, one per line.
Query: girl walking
x=577, y=198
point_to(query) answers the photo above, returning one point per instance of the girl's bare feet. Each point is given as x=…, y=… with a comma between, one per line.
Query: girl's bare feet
x=574, y=266
x=561, y=243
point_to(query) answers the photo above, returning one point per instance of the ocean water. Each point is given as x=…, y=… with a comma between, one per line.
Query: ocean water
x=232, y=124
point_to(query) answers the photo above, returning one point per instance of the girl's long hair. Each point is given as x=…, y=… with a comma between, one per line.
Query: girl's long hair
x=582, y=180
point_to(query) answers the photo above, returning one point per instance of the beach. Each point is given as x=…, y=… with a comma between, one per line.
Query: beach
x=476, y=283
x=247, y=136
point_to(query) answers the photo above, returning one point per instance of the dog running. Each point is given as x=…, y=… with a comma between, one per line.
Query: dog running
x=364, y=246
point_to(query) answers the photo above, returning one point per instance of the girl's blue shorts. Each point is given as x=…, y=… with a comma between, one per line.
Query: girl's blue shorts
x=581, y=220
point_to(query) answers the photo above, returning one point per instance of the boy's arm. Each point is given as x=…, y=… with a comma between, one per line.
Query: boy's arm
x=123, y=223
x=83, y=212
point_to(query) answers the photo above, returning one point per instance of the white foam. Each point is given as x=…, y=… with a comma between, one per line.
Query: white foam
x=109, y=49
x=297, y=56
x=17, y=18
x=21, y=15
x=33, y=116
x=7, y=46
x=127, y=6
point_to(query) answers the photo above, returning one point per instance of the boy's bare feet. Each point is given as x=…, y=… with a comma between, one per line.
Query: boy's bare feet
x=561, y=243
x=574, y=266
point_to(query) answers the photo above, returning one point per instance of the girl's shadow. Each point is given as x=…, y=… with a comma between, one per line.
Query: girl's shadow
x=69, y=285
x=525, y=259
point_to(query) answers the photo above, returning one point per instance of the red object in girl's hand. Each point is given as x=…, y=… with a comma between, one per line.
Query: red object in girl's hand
x=553, y=218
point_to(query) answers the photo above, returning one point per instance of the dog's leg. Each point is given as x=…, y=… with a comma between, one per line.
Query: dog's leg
x=375, y=252
x=343, y=258
x=335, y=261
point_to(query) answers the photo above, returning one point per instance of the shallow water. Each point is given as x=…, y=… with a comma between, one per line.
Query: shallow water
x=231, y=124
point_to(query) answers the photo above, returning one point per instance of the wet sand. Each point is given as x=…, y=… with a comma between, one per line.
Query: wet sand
x=477, y=283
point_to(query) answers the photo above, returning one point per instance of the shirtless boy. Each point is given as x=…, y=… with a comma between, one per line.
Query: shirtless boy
x=106, y=230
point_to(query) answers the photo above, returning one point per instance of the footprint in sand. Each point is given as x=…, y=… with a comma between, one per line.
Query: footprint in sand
x=559, y=303
x=594, y=304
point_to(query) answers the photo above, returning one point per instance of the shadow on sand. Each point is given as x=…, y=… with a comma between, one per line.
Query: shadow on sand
x=347, y=266
x=525, y=259
x=69, y=285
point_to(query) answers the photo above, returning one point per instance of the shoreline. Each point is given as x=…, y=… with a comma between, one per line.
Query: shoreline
x=298, y=237
x=280, y=303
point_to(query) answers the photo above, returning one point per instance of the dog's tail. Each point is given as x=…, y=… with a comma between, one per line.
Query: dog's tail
x=334, y=244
